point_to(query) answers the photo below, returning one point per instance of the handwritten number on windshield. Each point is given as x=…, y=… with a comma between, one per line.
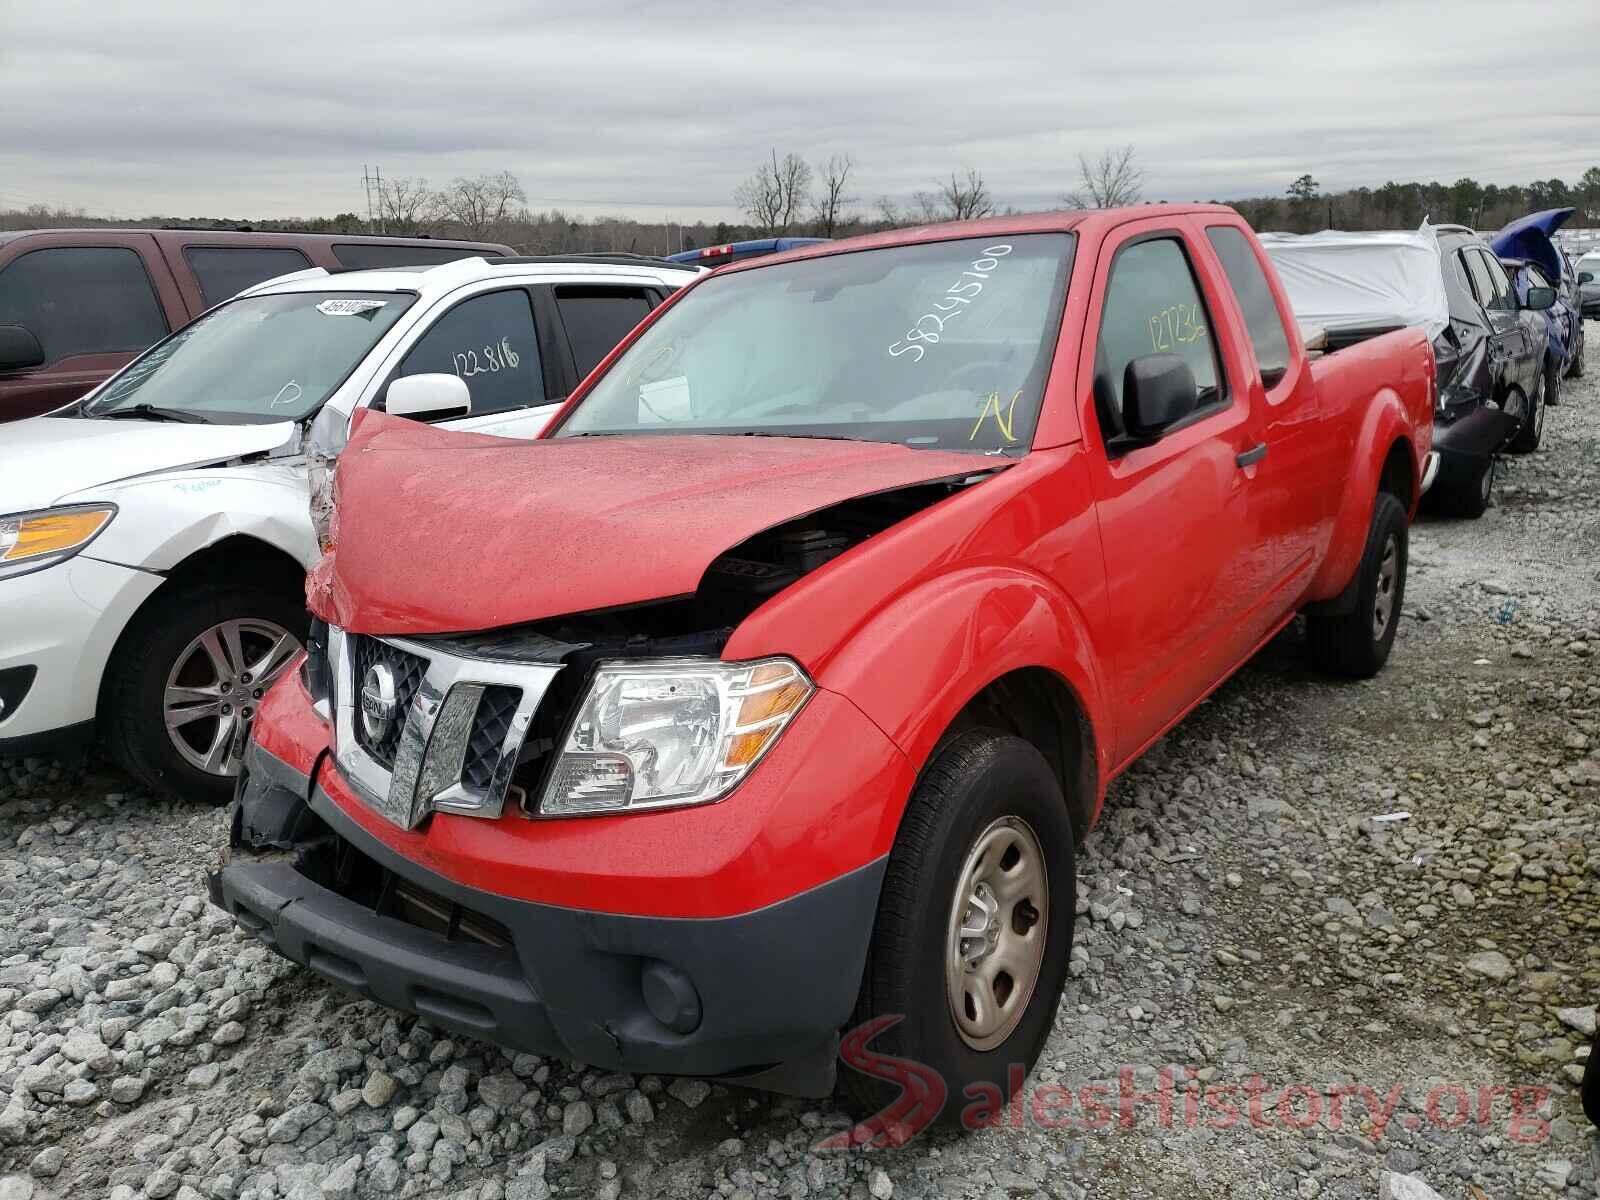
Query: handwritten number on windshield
x=495, y=359
x=930, y=325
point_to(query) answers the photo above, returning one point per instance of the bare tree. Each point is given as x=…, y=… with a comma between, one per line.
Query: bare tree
x=829, y=206
x=775, y=194
x=482, y=205
x=1111, y=181
x=405, y=204
x=963, y=198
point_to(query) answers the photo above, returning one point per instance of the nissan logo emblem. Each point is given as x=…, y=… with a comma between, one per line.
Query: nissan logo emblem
x=378, y=703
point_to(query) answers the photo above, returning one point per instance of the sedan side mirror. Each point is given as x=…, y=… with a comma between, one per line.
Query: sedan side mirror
x=1586, y=277
x=428, y=397
x=19, y=348
x=1540, y=297
x=1158, y=391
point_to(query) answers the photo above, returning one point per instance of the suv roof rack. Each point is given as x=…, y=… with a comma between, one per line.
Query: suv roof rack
x=611, y=257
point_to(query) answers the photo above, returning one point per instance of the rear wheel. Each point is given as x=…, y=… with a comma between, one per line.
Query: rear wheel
x=973, y=935
x=1575, y=367
x=183, y=688
x=1529, y=433
x=1357, y=643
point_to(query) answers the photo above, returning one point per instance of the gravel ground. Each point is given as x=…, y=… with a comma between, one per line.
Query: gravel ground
x=1337, y=996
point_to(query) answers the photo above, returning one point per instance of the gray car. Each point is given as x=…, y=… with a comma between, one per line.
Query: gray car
x=1588, y=268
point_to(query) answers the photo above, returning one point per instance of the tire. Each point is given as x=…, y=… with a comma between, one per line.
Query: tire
x=167, y=646
x=983, y=789
x=1575, y=367
x=1531, y=431
x=1357, y=644
x=1552, y=385
x=1466, y=495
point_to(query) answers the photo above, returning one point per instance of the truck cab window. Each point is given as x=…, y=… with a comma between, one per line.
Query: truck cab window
x=1152, y=306
x=1262, y=320
x=489, y=342
x=82, y=300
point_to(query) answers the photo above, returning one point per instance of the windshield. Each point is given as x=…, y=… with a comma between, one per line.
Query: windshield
x=943, y=344
x=256, y=360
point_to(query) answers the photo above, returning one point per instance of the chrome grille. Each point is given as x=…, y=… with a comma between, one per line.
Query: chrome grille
x=368, y=652
x=458, y=725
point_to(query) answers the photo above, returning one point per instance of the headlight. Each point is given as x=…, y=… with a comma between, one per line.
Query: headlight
x=664, y=733
x=31, y=540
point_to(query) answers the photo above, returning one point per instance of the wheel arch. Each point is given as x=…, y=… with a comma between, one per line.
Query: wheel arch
x=1039, y=706
x=996, y=645
x=237, y=556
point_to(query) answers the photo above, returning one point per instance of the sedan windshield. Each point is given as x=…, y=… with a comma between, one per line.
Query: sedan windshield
x=941, y=344
x=255, y=360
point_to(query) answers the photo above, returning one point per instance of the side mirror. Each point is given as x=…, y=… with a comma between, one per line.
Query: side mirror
x=1540, y=297
x=1586, y=277
x=19, y=348
x=1158, y=390
x=430, y=396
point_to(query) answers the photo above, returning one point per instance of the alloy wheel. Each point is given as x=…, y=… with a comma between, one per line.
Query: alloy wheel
x=215, y=687
x=997, y=930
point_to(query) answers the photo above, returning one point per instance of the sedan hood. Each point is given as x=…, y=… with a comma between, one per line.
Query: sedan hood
x=442, y=532
x=46, y=458
x=1529, y=237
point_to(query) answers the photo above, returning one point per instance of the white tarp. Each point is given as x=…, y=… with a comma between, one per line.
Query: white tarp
x=1343, y=281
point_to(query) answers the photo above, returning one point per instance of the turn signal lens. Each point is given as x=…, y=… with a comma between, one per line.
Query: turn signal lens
x=53, y=533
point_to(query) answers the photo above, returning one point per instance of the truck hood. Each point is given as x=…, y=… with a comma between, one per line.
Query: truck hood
x=440, y=532
x=1529, y=237
x=45, y=458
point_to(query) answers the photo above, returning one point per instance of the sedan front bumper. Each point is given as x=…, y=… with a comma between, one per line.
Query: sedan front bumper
x=61, y=622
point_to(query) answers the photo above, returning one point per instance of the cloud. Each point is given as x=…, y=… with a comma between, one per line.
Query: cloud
x=659, y=109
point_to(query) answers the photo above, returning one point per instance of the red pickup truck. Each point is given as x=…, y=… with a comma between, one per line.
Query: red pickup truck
x=771, y=692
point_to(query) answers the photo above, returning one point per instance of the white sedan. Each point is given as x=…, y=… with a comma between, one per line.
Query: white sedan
x=154, y=535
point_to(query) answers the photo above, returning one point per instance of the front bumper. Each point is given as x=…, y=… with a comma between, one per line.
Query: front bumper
x=63, y=622
x=758, y=996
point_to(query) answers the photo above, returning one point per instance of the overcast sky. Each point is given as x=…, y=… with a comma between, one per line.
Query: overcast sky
x=658, y=109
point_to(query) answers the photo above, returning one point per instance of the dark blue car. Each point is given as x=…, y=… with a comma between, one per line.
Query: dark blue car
x=716, y=256
x=1534, y=260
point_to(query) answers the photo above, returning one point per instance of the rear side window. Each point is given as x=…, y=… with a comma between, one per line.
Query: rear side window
x=1152, y=306
x=1261, y=317
x=488, y=341
x=1498, y=276
x=597, y=318
x=82, y=300
x=363, y=256
x=225, y=271
x=1482, y=285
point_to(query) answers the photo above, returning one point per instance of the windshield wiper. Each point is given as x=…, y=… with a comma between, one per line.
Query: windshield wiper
x=150, y=412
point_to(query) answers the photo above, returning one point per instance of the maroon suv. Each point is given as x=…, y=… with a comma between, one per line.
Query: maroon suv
x=77, y=304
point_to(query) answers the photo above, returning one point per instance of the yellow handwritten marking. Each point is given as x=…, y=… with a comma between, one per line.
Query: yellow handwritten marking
x=1004, y=421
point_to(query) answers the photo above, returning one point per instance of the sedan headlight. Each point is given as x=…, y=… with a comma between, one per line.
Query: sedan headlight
x=671, y=732
x=32, y=540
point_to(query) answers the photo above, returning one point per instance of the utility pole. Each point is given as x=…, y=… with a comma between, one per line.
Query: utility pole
x=366, y=185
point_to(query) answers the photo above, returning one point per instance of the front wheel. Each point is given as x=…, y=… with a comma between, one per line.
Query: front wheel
x=1357, y=643
x=973, y=934
x=1465, y=491
x=186, y=680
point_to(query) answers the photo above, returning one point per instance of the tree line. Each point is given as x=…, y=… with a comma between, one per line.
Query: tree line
x=788, y=195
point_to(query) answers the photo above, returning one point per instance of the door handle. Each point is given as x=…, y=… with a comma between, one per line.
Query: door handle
x=1251, y=456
